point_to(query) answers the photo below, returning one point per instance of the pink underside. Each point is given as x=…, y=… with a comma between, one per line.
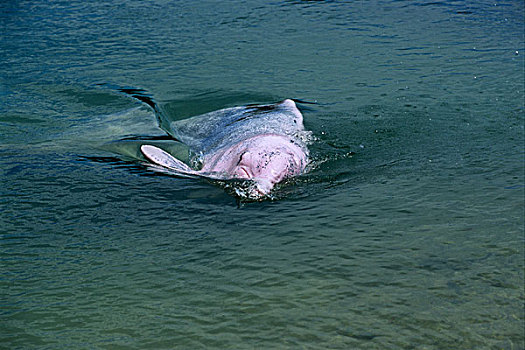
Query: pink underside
x=226, y=160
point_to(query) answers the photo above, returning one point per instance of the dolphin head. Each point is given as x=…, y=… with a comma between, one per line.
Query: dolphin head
x=269, y=162
x=265, y=159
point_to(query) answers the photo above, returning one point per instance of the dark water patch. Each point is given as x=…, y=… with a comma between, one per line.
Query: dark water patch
x=210, y=101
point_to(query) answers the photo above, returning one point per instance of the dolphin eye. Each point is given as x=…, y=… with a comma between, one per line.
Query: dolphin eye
x=240, y=158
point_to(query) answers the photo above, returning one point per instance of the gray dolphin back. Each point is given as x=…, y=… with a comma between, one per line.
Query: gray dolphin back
x=211, y=131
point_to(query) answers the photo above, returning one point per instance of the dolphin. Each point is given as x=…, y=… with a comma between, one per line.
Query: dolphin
x=262, y=143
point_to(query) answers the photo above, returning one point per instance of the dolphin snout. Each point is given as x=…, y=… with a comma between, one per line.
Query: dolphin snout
x=263, y=186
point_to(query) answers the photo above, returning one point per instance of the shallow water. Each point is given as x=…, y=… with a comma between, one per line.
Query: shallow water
x=407, y=233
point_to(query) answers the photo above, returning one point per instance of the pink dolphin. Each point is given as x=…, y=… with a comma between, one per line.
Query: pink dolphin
x=262, y=143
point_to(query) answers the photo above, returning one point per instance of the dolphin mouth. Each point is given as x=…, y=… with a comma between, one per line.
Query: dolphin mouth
x=253, y=189
x=244, y=173
x=263, y=186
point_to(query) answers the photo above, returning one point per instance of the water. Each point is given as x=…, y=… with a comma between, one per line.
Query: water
x=408, y=232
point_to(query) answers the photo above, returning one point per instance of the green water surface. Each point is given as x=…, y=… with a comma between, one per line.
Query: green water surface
x=407, y=233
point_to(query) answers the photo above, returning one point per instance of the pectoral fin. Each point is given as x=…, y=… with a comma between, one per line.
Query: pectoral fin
x=160, y=157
